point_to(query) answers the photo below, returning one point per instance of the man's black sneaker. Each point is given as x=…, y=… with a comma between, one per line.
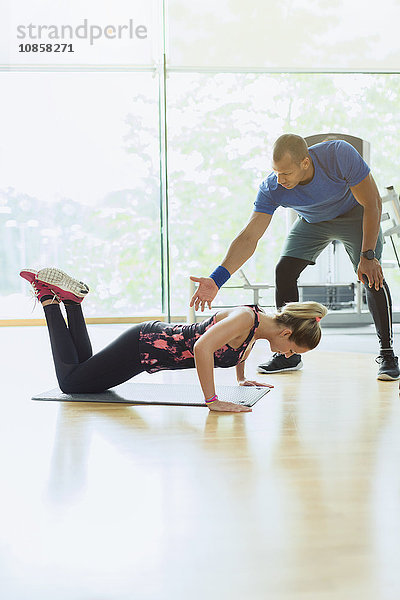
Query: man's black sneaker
x=389, y=368
x=280, y=364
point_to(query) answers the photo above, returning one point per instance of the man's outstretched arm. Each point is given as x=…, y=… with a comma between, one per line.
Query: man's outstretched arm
x=240, y=250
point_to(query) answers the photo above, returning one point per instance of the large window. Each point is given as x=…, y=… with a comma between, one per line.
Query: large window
x=222, y=128
x=134, y=162
x=79, y=187
x=285, y=35
x=101, y=33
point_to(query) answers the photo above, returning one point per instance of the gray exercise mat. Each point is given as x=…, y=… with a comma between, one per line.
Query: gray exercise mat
x=170, y=394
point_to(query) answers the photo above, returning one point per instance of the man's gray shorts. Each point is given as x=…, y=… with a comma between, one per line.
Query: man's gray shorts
x=307, y=240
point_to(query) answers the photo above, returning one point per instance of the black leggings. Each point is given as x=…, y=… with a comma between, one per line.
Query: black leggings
x=78, y=371
x=379, y=302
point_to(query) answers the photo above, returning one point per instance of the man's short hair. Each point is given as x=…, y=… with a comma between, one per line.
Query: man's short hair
x=292, y=144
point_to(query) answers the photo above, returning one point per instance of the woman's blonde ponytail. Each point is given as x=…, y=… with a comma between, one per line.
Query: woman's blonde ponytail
x=303, y=319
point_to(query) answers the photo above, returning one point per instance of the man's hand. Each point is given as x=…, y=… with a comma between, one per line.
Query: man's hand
x=205, y=293
x=372, y=270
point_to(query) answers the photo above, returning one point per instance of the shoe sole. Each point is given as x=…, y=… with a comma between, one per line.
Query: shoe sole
x=296, y=368
x=59, y=281
x=386, y=377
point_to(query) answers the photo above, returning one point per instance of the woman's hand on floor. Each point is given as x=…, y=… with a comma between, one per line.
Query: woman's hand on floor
x=219, y=406
x=254, y=383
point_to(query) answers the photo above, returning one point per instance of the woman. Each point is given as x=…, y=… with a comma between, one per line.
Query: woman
x=223, y=340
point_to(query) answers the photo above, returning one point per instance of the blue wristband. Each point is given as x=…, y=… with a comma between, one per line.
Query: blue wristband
x=220, y=276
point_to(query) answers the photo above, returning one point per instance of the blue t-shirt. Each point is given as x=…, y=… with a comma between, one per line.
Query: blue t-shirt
x=337, y=166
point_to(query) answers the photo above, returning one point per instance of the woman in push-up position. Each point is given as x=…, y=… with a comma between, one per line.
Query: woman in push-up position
x=223, y=340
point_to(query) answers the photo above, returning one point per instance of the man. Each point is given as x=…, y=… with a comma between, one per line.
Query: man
x=331, y=188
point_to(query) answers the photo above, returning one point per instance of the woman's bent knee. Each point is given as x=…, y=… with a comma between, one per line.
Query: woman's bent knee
x=71, y=387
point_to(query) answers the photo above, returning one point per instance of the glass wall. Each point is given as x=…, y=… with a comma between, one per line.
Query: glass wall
x=82, y=144
x=79, y=187
x=222, y=128
x=100, y=33
x=285, y=35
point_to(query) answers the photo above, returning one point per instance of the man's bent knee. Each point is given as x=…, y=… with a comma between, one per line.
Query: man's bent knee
x=289, y=268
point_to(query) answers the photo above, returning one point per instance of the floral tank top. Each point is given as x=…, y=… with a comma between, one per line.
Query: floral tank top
x=167, y=346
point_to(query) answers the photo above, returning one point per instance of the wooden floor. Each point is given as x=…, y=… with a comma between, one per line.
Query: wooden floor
x=298, y=500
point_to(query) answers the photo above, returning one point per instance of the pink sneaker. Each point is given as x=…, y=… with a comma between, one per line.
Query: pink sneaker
x=40, y=289
x=61, y=284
